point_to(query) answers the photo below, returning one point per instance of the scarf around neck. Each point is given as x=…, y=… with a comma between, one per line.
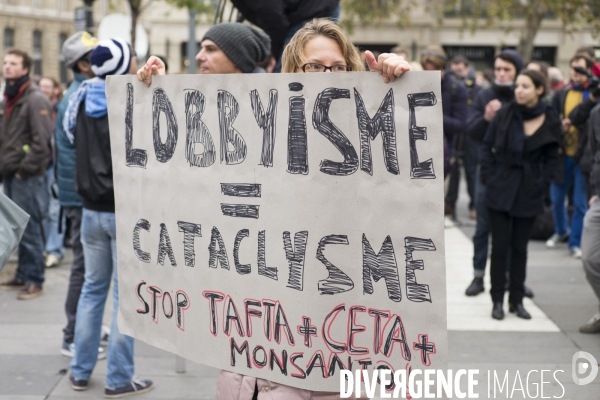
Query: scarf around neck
x=12, y=89
x=504, y=91
x=93, y=92
x=510, y=135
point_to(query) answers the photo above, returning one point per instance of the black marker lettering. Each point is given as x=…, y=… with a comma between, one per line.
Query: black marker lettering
x=297, y=158
x=267, y=123
x=164, y=247
x=419, y=170
x=369, y=128
x=240, y=350
x=323, y=124
x=141, y=255
x=414, y=291
x=269, y=272
x=241, y=269
x=295, y=257
x=337, y=281
x=228, y=111
x=197, y=131
x=161, y=103
x=217, y=256
x=190, y=231
x=382, y=264
x=133, y=157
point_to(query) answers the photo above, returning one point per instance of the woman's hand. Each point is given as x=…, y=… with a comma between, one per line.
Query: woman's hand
x=593, y=199
x=154, y=66
x=389, y=65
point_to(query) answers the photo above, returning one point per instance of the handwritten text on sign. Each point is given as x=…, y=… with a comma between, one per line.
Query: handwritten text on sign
x=282, y=226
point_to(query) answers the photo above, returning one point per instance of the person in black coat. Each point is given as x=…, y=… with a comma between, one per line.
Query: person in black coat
x=518, y=158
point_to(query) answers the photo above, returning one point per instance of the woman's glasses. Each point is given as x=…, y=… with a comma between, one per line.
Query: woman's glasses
x=314, y=67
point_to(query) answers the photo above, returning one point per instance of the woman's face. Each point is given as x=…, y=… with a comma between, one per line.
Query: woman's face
x=322, y=50
x=526, y=93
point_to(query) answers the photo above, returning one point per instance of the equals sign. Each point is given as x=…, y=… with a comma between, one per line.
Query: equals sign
x=240, y=190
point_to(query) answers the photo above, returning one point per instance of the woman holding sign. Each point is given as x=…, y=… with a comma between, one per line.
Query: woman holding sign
x=518, y=157
x=320, y=46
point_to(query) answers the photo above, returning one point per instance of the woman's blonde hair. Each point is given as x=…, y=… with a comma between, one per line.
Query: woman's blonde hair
x=293, y=54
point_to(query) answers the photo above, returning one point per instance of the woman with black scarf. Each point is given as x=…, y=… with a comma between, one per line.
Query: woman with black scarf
x=518, y=157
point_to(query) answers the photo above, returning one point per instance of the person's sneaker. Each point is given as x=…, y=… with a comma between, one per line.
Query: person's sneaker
x=30, y=291
x=78, y=384
x=52, y=261
x=68, y=350
x=575, y=252
x=105, y=332
x=12, y=284
x=592, y=326
x=556, y=238
x=475, y=287
x=136, y=386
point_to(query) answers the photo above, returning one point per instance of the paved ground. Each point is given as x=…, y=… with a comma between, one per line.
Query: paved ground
x=31, y=367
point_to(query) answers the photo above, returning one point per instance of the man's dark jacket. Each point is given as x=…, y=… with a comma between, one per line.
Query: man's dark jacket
x=275, y=17
x=94, y=175
x=476, y=124
x=25, y=136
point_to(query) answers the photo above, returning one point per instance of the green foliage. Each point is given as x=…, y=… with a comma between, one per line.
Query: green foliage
x=201, y=6
x=373, y=12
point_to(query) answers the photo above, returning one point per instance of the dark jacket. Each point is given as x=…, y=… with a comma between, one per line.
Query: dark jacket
x=25, y=136
x=519, y=189
x=594, y=141
x=275, y=17
x=65, y=150
x=477, y=125
x=94, y=176
x=454, y=105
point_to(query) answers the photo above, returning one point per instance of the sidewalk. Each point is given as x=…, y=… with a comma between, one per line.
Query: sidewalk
x=31, y=367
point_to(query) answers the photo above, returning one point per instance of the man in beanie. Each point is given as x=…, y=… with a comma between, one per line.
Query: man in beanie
x=76, y=55
x=229, y=48
x=86, y=122
x=488, y=101
x=25, y=131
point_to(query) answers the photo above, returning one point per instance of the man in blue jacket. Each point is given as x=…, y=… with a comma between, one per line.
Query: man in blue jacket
x=76, y=51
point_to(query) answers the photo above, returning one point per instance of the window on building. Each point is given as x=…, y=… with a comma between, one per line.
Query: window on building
x=9, y=38
x=62, y=68
x=37, y=52
x=37, y=3
x=62, y=5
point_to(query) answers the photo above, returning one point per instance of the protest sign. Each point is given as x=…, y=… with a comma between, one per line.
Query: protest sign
x=282, y=226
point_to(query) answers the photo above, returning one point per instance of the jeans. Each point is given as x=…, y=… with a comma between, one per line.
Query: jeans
x=509, y=233
x=98, y=237
x=558, y=194
x=76, y=278
x=482, y=230
x=334, y=16
x=31, y=195
x=54, y=240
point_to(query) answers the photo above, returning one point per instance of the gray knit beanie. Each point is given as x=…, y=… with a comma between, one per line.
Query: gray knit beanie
x=244, y=45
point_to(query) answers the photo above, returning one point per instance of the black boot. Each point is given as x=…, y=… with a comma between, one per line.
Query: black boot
x=475, y=287
x=497, y=311
x=528, y=292
x=520, y=310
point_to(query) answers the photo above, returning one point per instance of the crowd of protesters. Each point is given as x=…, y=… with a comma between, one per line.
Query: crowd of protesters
x=528, y=143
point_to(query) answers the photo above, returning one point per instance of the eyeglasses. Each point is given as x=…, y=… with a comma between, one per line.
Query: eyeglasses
x=314, y=67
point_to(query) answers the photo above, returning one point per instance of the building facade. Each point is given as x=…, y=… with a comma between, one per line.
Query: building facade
x=40, y=27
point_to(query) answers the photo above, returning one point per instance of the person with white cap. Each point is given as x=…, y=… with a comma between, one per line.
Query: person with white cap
x=86, y=123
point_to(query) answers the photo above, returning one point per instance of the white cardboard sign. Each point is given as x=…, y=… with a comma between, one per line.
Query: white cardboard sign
x=282, y=226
